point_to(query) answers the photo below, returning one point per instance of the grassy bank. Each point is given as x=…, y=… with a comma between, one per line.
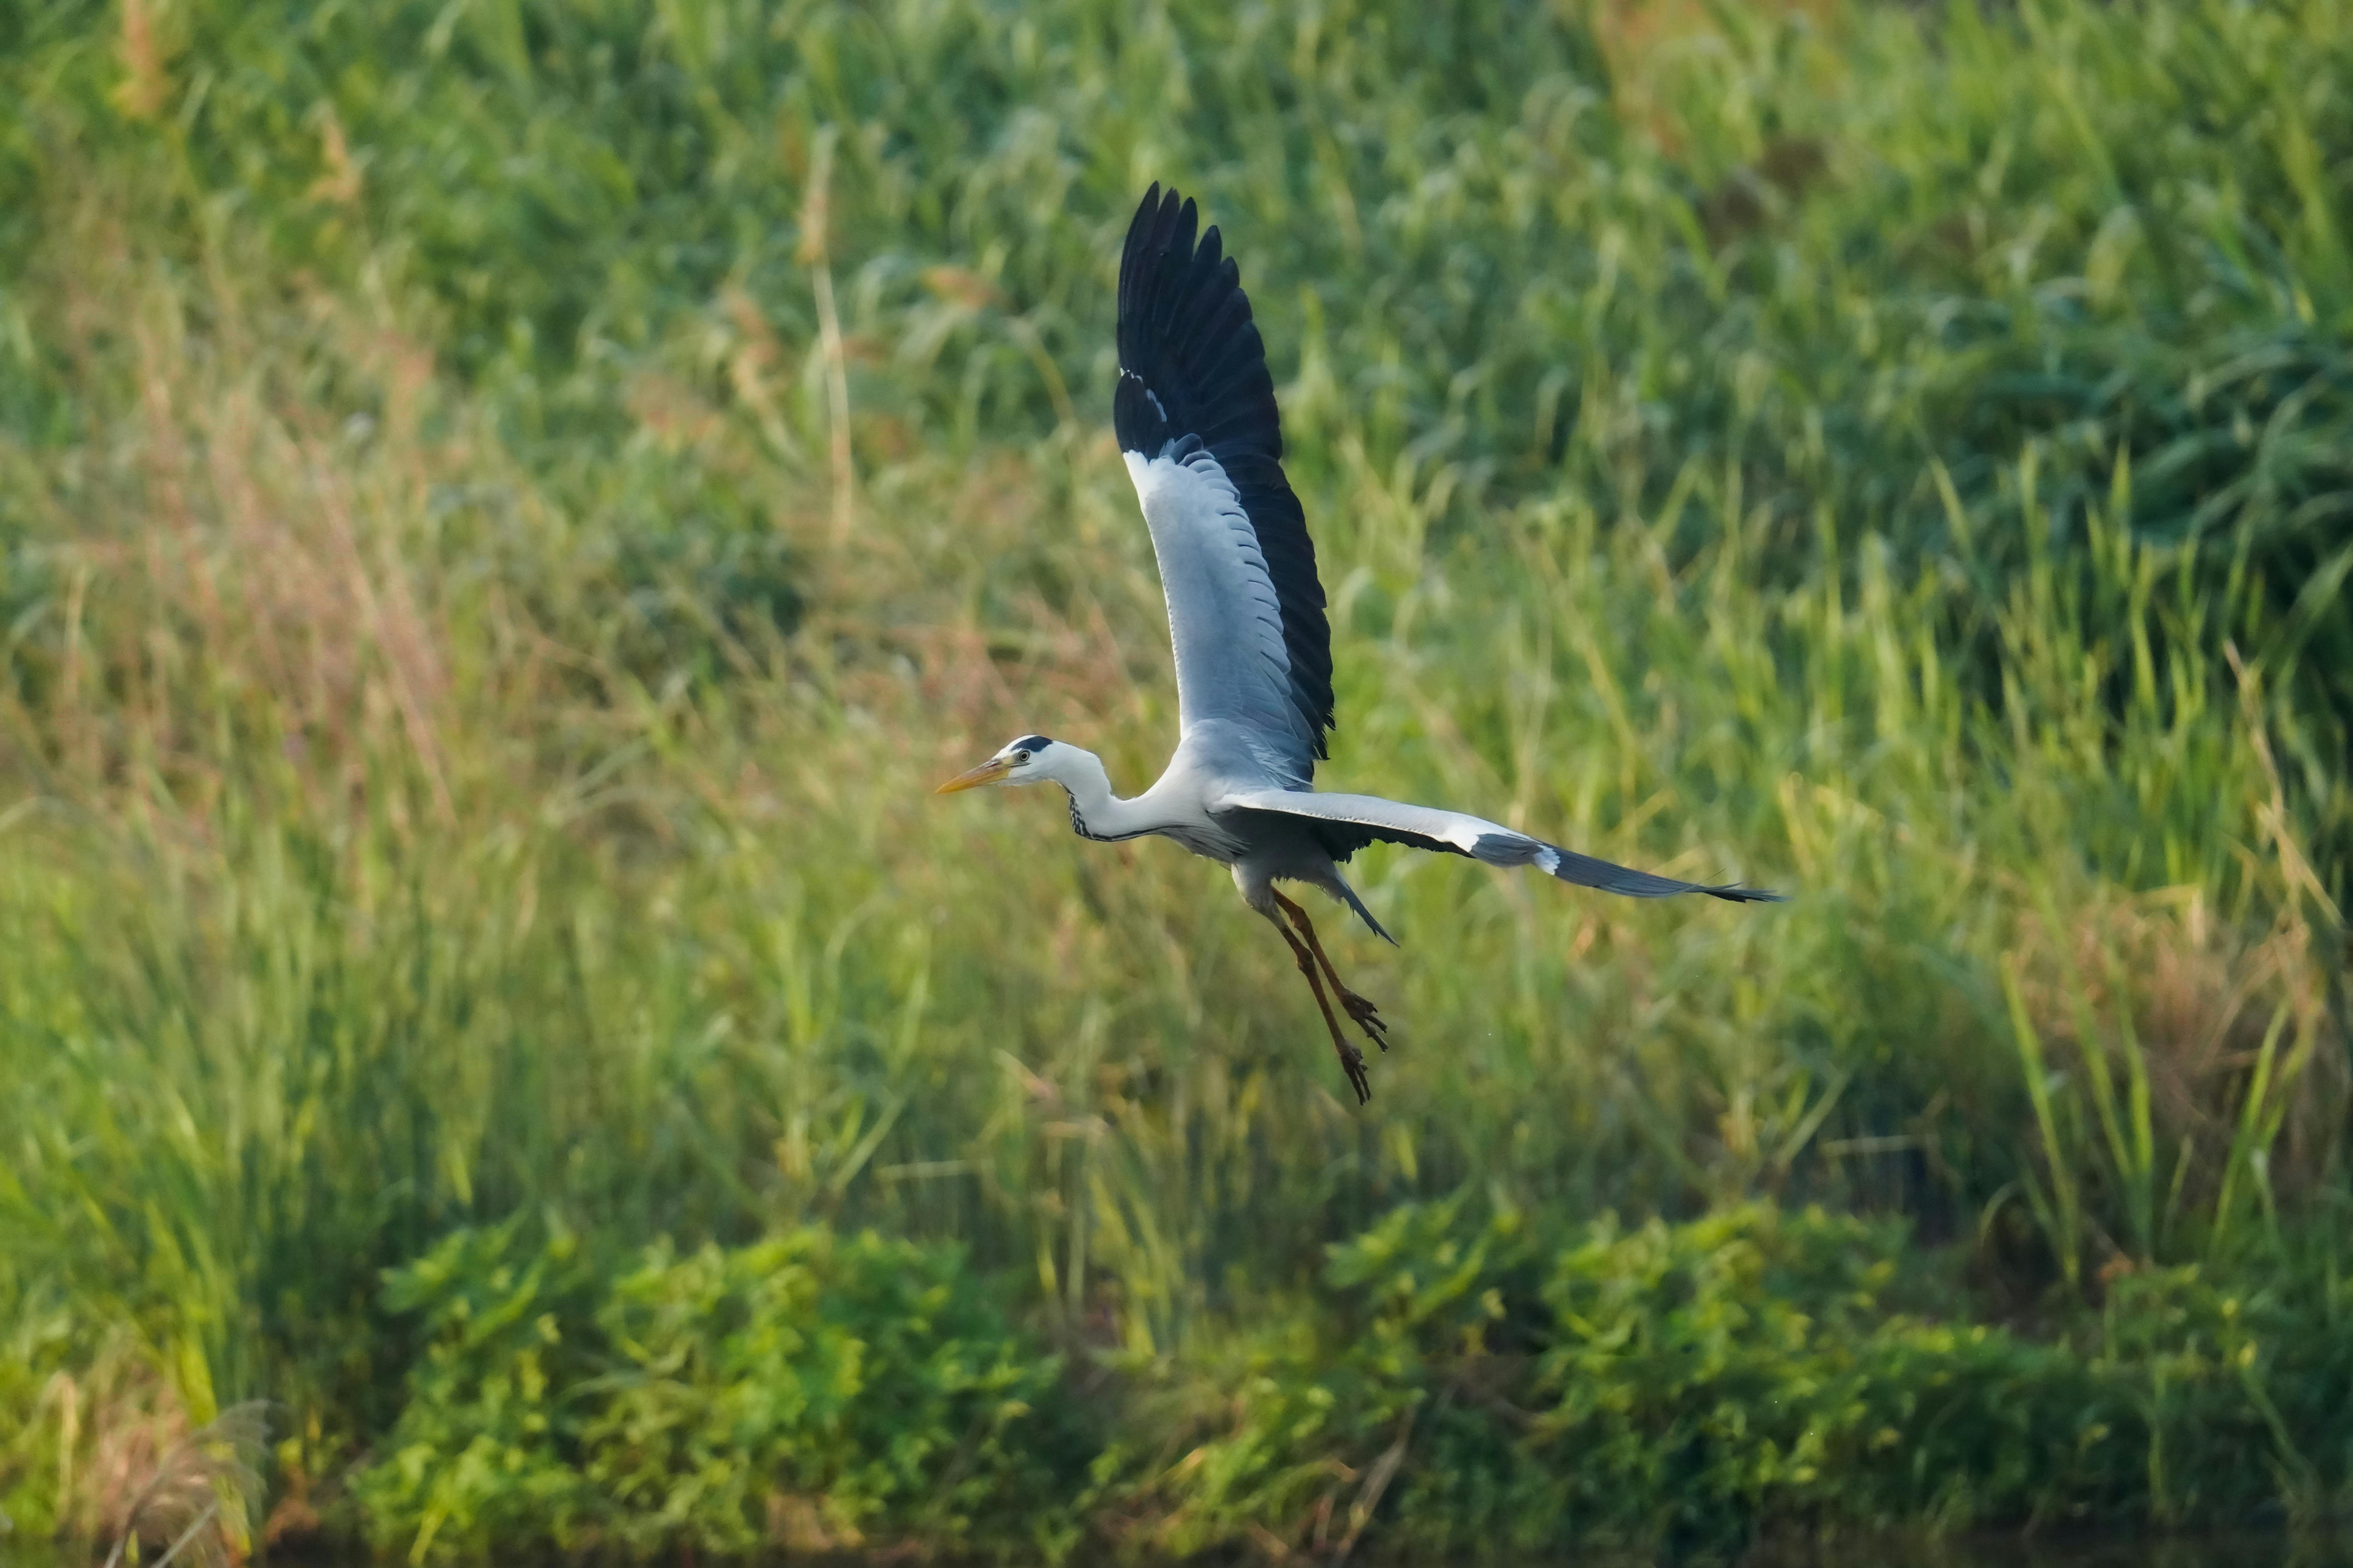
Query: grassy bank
x=507, y=510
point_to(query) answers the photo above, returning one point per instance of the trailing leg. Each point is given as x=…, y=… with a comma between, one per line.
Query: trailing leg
x=1351, y=1060
x=1367, y=1017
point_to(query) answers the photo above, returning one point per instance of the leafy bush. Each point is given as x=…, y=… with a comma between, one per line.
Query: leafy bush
x=1693, y=1386
x=1753, y=1366
x=1304, y=1422
x=487, y=1446
x=809, y=1391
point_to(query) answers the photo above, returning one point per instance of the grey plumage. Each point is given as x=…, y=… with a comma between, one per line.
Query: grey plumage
x=1195, y=417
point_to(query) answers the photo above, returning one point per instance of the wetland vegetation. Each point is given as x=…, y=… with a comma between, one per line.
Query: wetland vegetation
x=506, y=508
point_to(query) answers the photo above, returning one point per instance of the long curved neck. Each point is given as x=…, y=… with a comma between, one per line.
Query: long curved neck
x=1095, y=812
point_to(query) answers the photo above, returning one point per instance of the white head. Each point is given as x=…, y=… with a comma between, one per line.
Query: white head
x=1031, y=759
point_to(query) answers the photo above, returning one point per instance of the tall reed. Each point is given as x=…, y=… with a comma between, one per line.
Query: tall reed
x=461, y=768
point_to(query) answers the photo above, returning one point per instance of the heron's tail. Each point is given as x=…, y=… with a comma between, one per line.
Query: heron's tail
x=1348, y=897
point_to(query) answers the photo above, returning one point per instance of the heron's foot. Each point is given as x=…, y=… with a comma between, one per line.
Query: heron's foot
x=1367, y=1017
x=1352, y=1062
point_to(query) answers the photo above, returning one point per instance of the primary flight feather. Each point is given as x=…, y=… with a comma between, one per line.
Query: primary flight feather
x=1197, y=422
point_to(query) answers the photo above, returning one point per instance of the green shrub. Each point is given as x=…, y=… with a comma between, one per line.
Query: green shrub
x=1693, y=1386
x=487, y=1451
x=849, y=1390
x=1294, y=1419
x=807, y=1391
x=1754, y=1366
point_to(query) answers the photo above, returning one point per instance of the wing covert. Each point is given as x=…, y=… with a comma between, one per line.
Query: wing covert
x=1195, y=417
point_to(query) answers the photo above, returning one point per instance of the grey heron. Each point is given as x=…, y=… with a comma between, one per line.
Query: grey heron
x=1195, y=414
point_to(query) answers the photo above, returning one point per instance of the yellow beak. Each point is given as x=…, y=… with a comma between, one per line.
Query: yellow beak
x=988, y=772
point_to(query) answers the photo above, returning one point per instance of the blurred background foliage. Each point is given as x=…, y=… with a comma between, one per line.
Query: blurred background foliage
x=506, y=508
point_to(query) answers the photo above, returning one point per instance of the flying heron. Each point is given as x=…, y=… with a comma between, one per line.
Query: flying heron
x=1196, y=418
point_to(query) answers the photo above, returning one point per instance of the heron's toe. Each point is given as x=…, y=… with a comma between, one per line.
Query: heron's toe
x=1369, y=1018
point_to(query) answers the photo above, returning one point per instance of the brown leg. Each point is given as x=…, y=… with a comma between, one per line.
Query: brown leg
x=1351, y=1060
x=1367, y=1017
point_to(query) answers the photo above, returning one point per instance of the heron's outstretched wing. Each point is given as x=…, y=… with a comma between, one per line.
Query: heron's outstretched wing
x=1195, y=417
x=1345, y=824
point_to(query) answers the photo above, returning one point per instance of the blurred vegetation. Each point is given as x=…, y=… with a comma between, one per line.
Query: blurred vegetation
x=803, y=1390
x=1755, y=1373
x=505, y=508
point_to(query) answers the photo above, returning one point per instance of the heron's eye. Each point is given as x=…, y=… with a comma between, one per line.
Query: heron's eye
x=1020, y=756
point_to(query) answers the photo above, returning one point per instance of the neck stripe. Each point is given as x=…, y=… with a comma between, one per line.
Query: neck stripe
x=1078, y=825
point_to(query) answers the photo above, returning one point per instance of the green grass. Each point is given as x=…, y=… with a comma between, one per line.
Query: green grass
x=471, y=709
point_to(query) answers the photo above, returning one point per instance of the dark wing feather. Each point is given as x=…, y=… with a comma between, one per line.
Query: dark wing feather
x=1192, y=365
